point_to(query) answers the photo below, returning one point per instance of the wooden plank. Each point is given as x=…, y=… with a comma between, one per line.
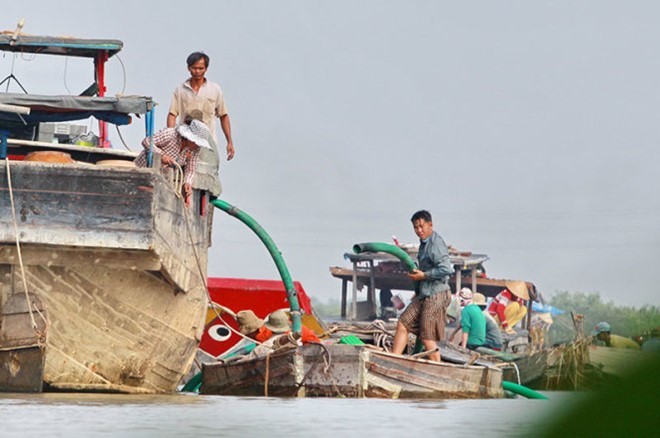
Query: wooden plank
x=71, y=256
x=89, y=207
x=78, y=205
x=427, y=378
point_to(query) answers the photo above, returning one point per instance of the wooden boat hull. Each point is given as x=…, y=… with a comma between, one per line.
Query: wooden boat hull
x=106, y=256
x=349, y=371
x=528, y=367
x=617, y=361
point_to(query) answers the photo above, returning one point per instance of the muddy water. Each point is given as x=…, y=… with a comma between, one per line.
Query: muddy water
x=65, y=415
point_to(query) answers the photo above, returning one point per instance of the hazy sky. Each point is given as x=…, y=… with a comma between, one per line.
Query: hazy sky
x=528, y=129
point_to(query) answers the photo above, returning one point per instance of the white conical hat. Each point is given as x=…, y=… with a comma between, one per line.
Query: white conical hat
x=197, y=132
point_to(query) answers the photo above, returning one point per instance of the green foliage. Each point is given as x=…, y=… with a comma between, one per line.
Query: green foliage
x=625, y=320
x=331, y=309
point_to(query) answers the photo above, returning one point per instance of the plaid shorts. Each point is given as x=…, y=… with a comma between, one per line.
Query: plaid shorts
x=426, y=317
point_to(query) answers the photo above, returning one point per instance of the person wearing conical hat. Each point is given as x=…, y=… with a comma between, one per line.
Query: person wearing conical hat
x=252, y=326
x=508, y=307
x=279, y=322
x=179, y=145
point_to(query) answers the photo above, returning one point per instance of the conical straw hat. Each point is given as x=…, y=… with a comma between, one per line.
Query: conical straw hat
x=518, y=288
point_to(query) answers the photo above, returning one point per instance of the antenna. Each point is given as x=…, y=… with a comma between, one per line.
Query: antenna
x=12, y=42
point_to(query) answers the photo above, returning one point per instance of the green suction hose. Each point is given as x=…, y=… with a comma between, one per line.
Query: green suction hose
x=394, y=250
x=291, y=293
x=522, y=390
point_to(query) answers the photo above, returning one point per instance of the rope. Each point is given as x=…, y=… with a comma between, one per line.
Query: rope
x=382, y=337
x=18, y=249
x=517, y=372
x=41, y=334
x=121, y=137
x=316, y=361
x=327, y=360
x=267, y=376
x=177, y=182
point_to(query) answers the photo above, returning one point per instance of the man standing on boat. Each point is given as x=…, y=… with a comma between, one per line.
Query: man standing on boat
x=198, y=93
x=425, y=316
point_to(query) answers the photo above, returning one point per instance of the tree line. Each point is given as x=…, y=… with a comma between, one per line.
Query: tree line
x=625, y=320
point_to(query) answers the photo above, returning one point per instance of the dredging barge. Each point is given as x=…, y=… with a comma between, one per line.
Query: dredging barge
x=102, y=268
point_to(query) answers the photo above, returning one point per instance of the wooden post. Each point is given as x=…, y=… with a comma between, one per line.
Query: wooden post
x=354, y=303
x=99, y=64
x=344, y=290
x=528, y=320
x=474, y=279
x=372, y=289
x=458, y=274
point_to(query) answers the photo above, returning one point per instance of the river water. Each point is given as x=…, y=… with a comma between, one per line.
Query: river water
x=183, y=415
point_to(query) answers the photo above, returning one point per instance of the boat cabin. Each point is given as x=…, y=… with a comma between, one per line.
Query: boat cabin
x=387, y=274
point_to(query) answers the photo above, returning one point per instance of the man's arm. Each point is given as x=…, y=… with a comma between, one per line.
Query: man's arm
x=174, y=109
x=226, y=129
x=146, y=144
x=453, y=333
x=464, y=339
x=466, y=323
x=171, y=120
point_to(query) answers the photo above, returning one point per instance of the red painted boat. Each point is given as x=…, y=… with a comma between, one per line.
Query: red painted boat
x=231, y=295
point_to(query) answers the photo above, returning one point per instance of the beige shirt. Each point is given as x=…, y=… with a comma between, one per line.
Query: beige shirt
x=209, y=100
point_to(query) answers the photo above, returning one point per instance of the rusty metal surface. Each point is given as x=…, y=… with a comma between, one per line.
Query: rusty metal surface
x=22, y=370
x=278, y=375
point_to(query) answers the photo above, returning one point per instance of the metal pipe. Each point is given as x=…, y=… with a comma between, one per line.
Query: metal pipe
x=149, y=125
x=291, y=293
x=17, y=109
x=3, y=143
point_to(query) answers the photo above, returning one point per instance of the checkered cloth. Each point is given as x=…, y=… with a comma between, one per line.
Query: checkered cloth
x=426, y=317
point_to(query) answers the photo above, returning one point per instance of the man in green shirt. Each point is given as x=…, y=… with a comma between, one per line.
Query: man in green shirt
x=473, y=321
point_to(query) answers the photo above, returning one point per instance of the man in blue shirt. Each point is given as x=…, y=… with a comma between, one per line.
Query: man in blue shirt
x=425, y=316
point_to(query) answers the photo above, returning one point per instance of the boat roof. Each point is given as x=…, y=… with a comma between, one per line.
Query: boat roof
x=66, y=103
x=59, y=45
x=395, y=278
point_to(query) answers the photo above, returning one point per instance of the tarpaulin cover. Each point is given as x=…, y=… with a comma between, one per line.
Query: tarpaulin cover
x=53, y=104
